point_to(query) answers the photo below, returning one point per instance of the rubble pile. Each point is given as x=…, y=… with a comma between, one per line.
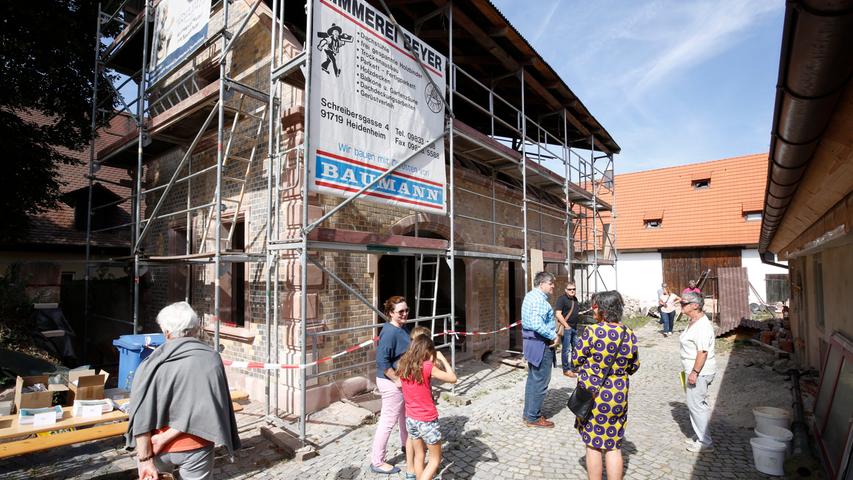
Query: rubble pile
x=775, y=332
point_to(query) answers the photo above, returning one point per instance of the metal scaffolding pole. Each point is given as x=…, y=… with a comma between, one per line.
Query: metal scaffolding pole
x=271, y=166
x=217, y=252
x=526, y=261
x=94, y=126
x=612, y=230
x=594, y=211
x=567, y=157
x=140, y=122
x=303, y=257
x=452, y=210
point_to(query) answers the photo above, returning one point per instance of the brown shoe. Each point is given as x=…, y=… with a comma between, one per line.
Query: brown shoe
x=540, y=423
x=570, y=374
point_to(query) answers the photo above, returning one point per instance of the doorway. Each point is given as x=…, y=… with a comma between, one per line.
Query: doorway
x=398, y=276
x=515, y=293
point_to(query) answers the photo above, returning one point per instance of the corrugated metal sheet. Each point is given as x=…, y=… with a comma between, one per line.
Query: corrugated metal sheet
x=734, y=297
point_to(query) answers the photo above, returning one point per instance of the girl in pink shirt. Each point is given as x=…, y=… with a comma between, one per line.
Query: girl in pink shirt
x=415, y=371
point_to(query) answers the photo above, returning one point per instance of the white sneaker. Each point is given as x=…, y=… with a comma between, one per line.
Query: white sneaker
x=690, y=440
x=698, y=447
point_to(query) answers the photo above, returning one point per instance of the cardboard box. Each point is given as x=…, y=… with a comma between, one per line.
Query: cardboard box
x=32, y=399
x=86, y=385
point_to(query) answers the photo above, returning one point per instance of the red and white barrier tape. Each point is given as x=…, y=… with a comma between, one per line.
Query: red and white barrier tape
x=276, y=366
x=366, y=343
x=451, y=332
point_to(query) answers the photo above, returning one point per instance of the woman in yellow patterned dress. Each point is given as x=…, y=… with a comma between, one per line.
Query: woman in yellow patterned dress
x=605, y=343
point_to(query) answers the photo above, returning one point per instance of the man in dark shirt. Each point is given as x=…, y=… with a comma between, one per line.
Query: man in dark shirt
x=567, y=317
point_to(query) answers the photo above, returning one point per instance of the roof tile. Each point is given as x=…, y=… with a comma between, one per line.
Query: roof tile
x=712, y=216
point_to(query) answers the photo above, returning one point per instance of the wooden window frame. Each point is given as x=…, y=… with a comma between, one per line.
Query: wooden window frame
x=846, y=350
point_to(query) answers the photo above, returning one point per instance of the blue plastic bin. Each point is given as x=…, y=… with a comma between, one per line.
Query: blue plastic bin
x=132, y=349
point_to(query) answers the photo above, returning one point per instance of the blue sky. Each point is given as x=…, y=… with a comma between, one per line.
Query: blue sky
x=674, y=82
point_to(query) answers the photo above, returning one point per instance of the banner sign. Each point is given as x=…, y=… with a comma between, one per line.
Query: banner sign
x=180, y=27
x=372, y=107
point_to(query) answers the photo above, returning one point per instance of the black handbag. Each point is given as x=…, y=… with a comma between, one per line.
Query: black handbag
x=582, y=400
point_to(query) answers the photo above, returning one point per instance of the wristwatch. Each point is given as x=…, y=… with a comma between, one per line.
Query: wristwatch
x=697, y=373
x=145, y=459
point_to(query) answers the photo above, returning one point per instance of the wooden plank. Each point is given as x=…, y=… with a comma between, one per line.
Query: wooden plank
x=38, y=444
x=9, y=427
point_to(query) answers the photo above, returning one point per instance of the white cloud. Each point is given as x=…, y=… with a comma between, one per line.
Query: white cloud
x=707, y=29
x=543, y=25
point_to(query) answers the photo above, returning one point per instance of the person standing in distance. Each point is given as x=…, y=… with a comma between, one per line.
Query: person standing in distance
x=700, y=365
x=567, y=310
x=539, y=334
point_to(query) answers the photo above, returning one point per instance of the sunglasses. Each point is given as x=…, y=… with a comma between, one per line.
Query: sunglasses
x=684, y=304
x=570, y=289
x=405, y=310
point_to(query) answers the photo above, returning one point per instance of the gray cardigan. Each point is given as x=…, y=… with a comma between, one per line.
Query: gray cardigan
x=182, y=384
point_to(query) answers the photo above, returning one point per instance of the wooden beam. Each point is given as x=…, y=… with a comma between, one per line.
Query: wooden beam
x=40, y=444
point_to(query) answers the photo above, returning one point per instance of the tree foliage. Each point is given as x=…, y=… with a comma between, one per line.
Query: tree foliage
x=47, y=66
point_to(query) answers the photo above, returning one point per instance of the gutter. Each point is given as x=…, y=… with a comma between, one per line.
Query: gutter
x=815, y=64
x=768, y=258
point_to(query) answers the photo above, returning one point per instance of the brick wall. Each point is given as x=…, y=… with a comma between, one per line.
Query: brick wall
x=330, y=305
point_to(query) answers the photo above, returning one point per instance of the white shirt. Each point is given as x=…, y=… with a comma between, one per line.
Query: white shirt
x=696, y=338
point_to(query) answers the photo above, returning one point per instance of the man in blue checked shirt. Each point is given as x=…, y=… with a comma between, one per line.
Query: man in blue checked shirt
x=539, y=333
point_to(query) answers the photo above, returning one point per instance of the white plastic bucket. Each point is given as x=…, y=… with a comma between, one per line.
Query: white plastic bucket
x=771, y=416
x=769, y=456
x=781, y=435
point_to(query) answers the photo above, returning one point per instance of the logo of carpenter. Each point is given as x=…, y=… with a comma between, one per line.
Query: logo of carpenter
x=433, y=98
x=330, y=43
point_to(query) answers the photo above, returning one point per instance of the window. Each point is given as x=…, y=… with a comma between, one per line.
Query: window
x=752, y=216
x=701, y=183
x=232, y=282
x=653, y=223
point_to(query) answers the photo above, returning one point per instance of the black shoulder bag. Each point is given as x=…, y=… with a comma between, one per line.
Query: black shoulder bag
x=582, y=399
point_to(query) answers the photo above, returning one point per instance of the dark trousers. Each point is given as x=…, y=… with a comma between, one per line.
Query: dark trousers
x=570, y=337
x=668, y=319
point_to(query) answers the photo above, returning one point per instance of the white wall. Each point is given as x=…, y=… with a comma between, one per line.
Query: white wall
x=639, y=276
x=756, y=270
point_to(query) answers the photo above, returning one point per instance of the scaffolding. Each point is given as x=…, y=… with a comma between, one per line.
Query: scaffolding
x=514, y=151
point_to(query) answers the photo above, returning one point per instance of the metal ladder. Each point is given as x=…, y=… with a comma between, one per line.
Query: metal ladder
x=426, y=268
x=259, y=116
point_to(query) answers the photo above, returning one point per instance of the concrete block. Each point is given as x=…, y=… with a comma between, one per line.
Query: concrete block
x=283, y=440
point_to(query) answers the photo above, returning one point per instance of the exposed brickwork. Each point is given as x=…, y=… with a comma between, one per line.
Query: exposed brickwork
x=331, y=306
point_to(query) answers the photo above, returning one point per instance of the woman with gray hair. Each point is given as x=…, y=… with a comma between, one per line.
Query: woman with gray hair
x=700, y=365
x=180, y=406
x=606, y=355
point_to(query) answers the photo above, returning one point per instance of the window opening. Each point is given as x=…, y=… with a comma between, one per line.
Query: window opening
x=653, y=223
x=233, y=280
x=701, y=183
x=752, y=216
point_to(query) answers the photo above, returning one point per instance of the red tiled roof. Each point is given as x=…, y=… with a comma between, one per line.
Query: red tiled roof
x=56, y=227
x=691, y=217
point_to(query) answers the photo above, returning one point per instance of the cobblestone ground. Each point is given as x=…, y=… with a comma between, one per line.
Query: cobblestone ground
x=487, y=440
